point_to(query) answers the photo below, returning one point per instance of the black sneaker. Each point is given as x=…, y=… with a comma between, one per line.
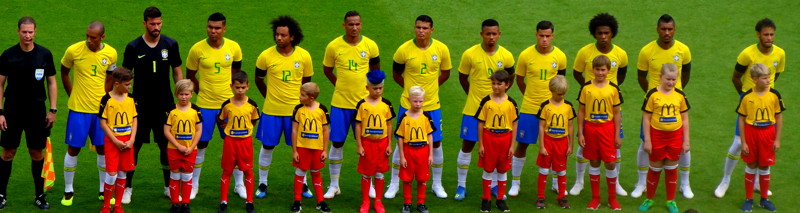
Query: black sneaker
x=486, y=205
x=248, y=206
x=501, y=205
x=176, y=208
x=2, y=201
x=422, y=208
x=406, y=208
x=185, y=208
x=323, y=207
x=296, y=207
x=223, y=208
x=41, y=202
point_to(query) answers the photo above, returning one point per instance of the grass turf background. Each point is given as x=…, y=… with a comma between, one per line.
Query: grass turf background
x=716, y=31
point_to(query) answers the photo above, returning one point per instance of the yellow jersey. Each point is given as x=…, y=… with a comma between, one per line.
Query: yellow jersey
x=240, y=119
x=538, y=70
x=583, y=61
x=89, y=74
x=376, y=117
x=423, y=68
x=556, y=118
x=352, y=65
x=497, y=117
x=775, y=61
x=599, y=102
x=310, y=124
x=415, y=131
x=479, y=66
x=665, y=109
x=284, y=76
x=123, y=113
x=183, y=125
x=214, y=69
x=760, y=110
x=652, y=57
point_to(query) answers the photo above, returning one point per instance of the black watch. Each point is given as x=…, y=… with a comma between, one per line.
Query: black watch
x=53, y=111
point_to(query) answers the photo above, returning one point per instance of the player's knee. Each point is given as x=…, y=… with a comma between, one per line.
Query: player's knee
x=299, y=172
x=73, y=151
x=268, y=147
x=99, y=149
x=544, y=171
x=337, y=144
x=36, y=154
x=202, y=144
x=437, y=144
x=561, y=173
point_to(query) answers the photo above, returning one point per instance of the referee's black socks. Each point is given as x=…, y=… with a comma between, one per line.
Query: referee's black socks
x=38, y=180
x=5, y=174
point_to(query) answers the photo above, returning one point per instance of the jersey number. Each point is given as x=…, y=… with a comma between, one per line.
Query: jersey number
x=94, y=70
x=352, y=65
x=490, y=71
x=286, y=74
x=543, y=74
x=423, y=68
x=216, y=65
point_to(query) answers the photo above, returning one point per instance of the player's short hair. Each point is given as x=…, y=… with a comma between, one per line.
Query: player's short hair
x=289, y=22
x=98, y=25
x=668, y=68
x=240, y=77
x=121, y=74
x=690, y=211
x=218, y=17
x=766, y=22
x=666, y=18
x=558, y=84
x=501, y=76
x=544, y=25
x=604, y=19
x=425, y=18
x=375, y=77
x=758, y=70
x=351, y=14
x=151, y=12
x=601, y=60
x=311, y=89
x=490, y=23
x=26, y=20
x=184, y=85
x=416, y=91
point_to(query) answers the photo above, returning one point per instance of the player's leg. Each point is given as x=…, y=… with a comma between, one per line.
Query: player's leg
x=763, y=175
x=76, y=134
x=643, y=166
x=208, y=125
x=227, y=162
x=161, y=141
x=394, y=182
x=611, y=183
x=244, y=163
x=541, y=183
x=620, y=191
x=269, y=133
x=144, y=120
x=581, y=164
x=469, y=134
x=734, y=151
x=527, y=133
x=684, y=165
x=341, y=123
x=9, y=140
x=438, y=155
x=36, y=141
x=594, y=182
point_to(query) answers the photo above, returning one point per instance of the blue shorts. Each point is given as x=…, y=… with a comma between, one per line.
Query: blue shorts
x=341, y=121
x=209, y=123
x=270, y=128
x=437, y=122
x=528, y=128
x=81, y=126
x=469, y=128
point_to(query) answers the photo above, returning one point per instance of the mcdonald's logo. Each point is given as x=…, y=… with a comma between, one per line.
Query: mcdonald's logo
x=598, y=105
x=668, y=109
x=557, y=120
x=121, y=118
x=762, y=117
x=416, y=134
x=310, y=125
x=498, y=120
x=374, y=120
x=184, y=126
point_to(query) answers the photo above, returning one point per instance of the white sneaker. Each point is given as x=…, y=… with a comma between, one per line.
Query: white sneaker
x=166, y=192
x=239, y=189
x=757, y=188
x=332, y=192
x=371, y=191
x=391, y=191
x=621, y=191
x=576, y=189
x=721, y=189
x=126, y=196
x=439, y=191
x=687, y=191
x=194, y=193
x=638, y=191
x=514, y=191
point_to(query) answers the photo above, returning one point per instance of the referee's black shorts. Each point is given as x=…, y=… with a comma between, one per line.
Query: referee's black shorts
x=151, y=118
x=28, y=117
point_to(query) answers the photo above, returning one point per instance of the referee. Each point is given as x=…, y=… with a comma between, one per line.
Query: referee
x=151, y=57
x=29, y=64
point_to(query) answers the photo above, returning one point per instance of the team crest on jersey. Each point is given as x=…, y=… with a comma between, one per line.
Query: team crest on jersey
x=434, y=57
x=775, y=64
x=499, y=64
x=104, y=61
x=363, y=54
x=676, y=58
x=296, y=64
x=554, y=65
x=164, y=53
x=614, y=64
x=227, y=57
x=39, y=74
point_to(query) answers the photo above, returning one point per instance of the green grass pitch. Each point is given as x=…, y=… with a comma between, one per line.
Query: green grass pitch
x=715, y=30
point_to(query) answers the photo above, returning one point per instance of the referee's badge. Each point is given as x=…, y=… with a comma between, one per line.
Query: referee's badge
x=614, y=64
x=775, y=64
x=434, y=57
x=39, y=74
x=499, y=64
x=676, y=58
x=164, y=53
x=296, y=64
x=104, y=61
x=554, y=65
x=363, y=54
x=227, y=57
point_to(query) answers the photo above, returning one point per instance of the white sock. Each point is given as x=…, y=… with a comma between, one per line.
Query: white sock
x=185, y=177
x=395, y=166
x=464, y=159
x=495, y=177
x=264, y=160
x=517, y=164
x=643, y=164
x=198, y=167
x=611, y=174
x=733, y=157
x=175, y=176
x=238, y=176
x=617, y=165
x=684, y=164
x=436, y=167
x=70, y=162
x=594, y=170
x=335, y=165
x=111, y=179
x=101, y=170
x=580, y=166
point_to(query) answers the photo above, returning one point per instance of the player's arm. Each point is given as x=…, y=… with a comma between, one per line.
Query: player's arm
x=617, y=124
x=134, y=128
x=741, y=123
x=581, y=113
x=260, y=83
x=295, y=155
x=306, y=79
x=397, y=73
x=578, y=77
x=513, y=138
x=648, y=144
x=464, y=80
x=389, y=147
x=521, y=84
x=223, y=114
x=171, y=138
x=329, y=73
x=570, y=136
x=480, y=137
x=375, y=63
x=778, y=128
x=326, y=133
x=542, y=150
x=110, y=134
x=738, y=72
x=443, y=76
x=686, y=73
x=686, y=143
x=65, y=80
x=642, y=77
x=621, y=73
x=430, y=149
x=3, y=125
x=192, y=75
x=400, y=148
x=52, y=89
x=358, y=130
x=177, y=74
x=109, y=82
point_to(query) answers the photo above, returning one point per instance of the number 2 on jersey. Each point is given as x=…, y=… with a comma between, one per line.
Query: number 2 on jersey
x=423, y=68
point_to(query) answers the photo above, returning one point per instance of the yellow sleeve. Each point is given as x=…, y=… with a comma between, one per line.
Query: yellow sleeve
x=373, y=49
x=465, y=66
x=446, y=63
x=781, y=62
x=261, y=62
x=742, y=109
x=193, y=58
x=237, y=52
x=399, y=55
x=687, y=55
x=643, y=64
x=308, y=69
x=744, y=59
x=579, y=58
x=169, y=119
x=67, y=59
x=648, y=103
x=522, y=69
x=329, y=59
x=510, y=59
x=623, y=57
x=562, y=61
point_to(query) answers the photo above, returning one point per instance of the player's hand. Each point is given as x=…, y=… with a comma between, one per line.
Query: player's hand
x=543, y=151
x=618, y=142
x=403, y=162
x=49, y=119
x=388, y=150
x=581, y=141
x=648, y=147
x=745, y=149
x=323, y=156
x=3, y=125
x=511, y=152
x=430, y=160
x=569, y=151
x=686, y=148
x=120, y=145
x=360, y=151
x=776, y=146
x=480, y=150
x=296, y=157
